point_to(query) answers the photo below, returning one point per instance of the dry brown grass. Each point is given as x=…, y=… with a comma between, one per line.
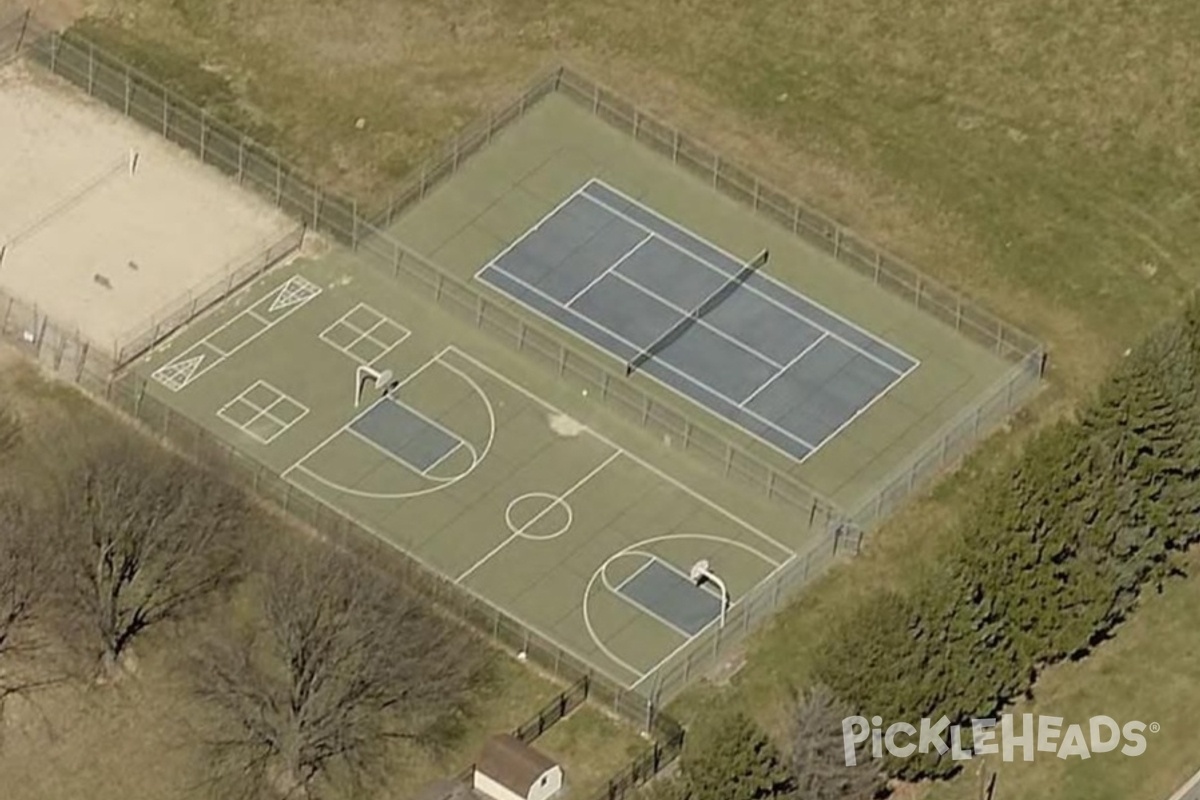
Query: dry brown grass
x=1039, y=155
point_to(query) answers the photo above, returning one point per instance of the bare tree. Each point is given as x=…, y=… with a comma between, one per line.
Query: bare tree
x=345, y=661
x=818, y=755
x=28, y=569
x=148, y=535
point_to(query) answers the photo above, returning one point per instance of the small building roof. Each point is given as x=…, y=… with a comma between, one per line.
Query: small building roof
x=512, y=763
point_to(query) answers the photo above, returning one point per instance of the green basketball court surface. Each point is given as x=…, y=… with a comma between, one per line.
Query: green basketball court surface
x=481, y=464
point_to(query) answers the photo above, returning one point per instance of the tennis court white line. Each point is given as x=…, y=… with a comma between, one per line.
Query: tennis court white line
x=512, y=245
x=750, y=287
x=593, y=473
x=609, y=269
x=864, y=409
x=786, y=551
x=765, y=276
x=690, y=379
x=683, y=312
x=782, y=370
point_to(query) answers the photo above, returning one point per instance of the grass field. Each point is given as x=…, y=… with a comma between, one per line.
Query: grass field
x=141, y=738
x=1044, y=160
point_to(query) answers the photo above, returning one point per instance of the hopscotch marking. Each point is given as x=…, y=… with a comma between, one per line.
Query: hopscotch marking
x=192, y=363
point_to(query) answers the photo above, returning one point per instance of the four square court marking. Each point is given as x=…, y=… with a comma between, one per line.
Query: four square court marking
x=767, y=358
x=262, y=412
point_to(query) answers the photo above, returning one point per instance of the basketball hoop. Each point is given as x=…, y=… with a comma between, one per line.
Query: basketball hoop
x=380, y=379
x=701, y=572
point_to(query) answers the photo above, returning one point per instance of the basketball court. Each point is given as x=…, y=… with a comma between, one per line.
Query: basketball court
x=444, y=455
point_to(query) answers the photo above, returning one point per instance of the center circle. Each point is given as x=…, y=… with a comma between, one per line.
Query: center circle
x=538, y=515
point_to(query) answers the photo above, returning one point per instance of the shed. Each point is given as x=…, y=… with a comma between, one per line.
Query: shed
x=509, y=769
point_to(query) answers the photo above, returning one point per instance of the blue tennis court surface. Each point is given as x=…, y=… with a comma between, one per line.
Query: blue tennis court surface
x=405, y=434
x=768, y=359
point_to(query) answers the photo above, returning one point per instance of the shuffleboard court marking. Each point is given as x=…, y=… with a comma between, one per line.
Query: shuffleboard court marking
x=520, y=532
x=786, y=551
x=287, y=298
x=439, y=483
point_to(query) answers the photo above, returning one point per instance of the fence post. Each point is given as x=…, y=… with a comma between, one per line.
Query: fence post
x=637, y=121
x=354, y=225
x=203, y=133
x=675, y=147
x=24, y=29
x=91, y=68
x=716, y=171
x=241, y=158
x=54, y=40
x=128, y=91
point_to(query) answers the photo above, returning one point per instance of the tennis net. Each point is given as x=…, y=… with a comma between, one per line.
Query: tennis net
x=672, y=334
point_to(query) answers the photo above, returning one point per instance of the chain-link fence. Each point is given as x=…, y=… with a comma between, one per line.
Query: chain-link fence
x=138, y=96
x=203, y=296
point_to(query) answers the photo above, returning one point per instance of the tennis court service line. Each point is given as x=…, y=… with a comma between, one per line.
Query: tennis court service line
x=637, y=349
x=733, y=260
x=609, y=269
x=795, y=359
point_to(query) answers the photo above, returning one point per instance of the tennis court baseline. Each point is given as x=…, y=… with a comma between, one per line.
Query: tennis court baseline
x=765, y=357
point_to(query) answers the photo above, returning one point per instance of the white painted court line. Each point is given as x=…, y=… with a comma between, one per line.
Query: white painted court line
x=765, y=276
x=380, y=319
x=649, y=563
x=683, y=312
x=367, y=526
x=439, y=483
x=299, y=292
x=515, y=243
x=669, y=656
x=638, y=604
x=260, y=411
x=425, y=472
x=865, y=408
x=574, y=487
x=782, y=370
x=667, y=364
x=346, y=426
x=608, y=269
x=786, y=552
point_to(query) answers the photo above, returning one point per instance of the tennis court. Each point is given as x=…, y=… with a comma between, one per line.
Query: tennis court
x=709, y=325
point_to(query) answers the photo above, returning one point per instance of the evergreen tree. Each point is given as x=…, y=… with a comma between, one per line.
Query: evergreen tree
x=728, y=757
